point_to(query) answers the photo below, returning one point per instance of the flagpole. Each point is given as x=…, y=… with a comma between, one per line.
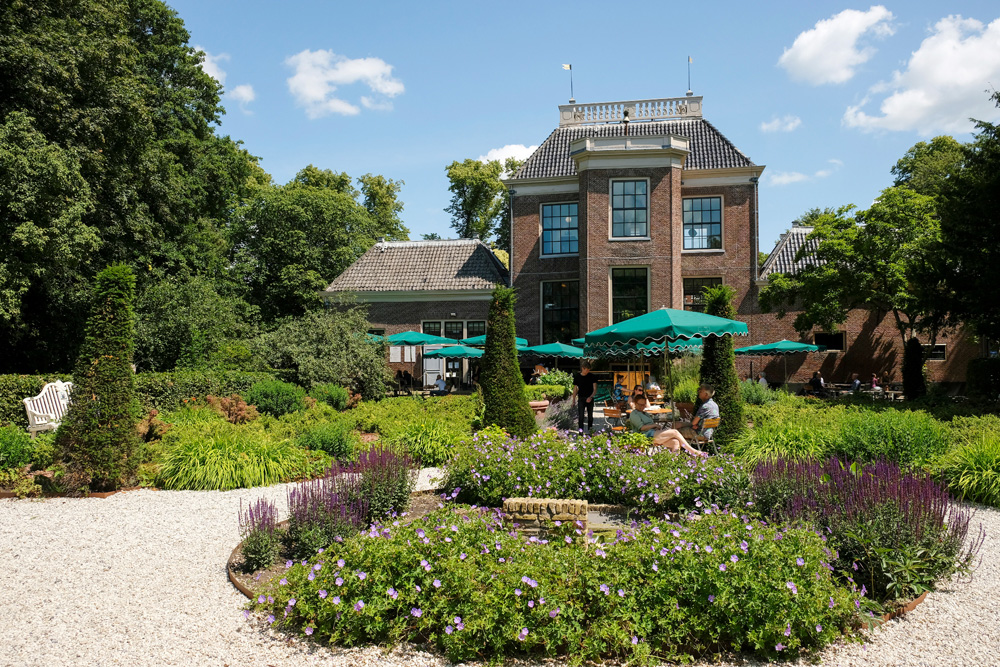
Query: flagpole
x=572, y=98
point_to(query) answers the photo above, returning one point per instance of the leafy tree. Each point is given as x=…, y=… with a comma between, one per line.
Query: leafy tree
x=479, y=202
x=926, y=167
x=809, y=218
x=501, y=380
x=433, y=236
x=718, y=366
x=98, y=440
x=380, y=197
x=970, y=226
x=871, y=261
x=328, y=347
x=289, y=242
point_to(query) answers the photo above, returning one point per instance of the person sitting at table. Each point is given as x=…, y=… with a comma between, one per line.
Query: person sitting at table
x=875, y=385
x=639, y=421
x=620, y=393
x=817, y=384
x=636, y=393
x=855, y=382
x=708, y=409
x=441, y=387
x=650, y=384
x=674, y=441
x=537, y=373
x=762, y=379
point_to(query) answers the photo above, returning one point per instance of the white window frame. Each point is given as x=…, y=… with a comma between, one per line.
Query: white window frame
x=541, y=303
x=649, y=287
x=541, y=230
x=722, y=226
x=611, y=224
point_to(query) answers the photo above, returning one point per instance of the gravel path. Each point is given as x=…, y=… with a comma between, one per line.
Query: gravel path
x=139, y=579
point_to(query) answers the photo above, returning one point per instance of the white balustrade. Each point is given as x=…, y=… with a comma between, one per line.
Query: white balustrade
x=638, y=110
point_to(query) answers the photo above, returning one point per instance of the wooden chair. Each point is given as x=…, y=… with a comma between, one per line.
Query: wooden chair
x=45, y=411
x=615, y=419
x=699, y=441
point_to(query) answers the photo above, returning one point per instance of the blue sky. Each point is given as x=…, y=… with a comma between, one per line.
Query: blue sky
x=826, y=95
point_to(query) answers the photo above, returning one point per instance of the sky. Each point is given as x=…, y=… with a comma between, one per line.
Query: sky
x=827, y=95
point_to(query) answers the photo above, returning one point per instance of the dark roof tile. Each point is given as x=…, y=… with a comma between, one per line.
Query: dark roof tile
x=782, y=258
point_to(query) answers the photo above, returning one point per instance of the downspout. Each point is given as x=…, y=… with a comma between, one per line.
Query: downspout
x=510, y=250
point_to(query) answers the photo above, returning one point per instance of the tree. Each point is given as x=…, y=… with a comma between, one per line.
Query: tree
x=433, y=236
x=926, y=167
x=501, y=380
x=970, y=226
x=479, y=203
x=324, y=347
x=872, y=260
x=97, y=440
x=380, y=197
x=718, y=366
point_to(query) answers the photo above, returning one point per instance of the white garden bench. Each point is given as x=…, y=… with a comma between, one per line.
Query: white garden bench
x=45, y=411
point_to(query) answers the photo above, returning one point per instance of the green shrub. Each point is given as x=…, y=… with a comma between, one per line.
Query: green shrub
x=44, y=453
x=686, y=391
x=431, y=443
x=220, y=457
x=391, y=415
x=16, y=450
x=332, y=394
x=972, y=469
x=335, y=438
x=168, y=391
x=561, y=378
x=276, y=398
x=754, y=393
x=545, y=392
x=718, y=366
x=98, y=439
x=502, y=383
x=647, y=594
x=983, y=379
x=387, y=480
x=769, y=442
x=897, y=435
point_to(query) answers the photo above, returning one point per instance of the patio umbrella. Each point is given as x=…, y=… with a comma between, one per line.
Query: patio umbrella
x=781, y=348
x=418, y=338
x=454, y=352
x=480, y=341
x=555, y=350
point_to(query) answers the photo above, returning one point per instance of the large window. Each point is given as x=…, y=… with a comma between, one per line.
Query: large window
x=703, y=223
x=475, y=328
x=835, y=341
x=560, y=231
x=560, y=311
x=432, y=328
x=934, y=352
x=454, y=330
x=629, y=293
x=693, y=297
x=629, y=211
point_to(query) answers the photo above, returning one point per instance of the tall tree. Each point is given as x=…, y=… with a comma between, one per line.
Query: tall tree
x=926, y=167
x=718, y=366
x=479, y=202
x=970, y=227
x=380, y=197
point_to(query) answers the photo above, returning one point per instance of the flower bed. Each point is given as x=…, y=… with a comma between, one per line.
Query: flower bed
x=476, y=588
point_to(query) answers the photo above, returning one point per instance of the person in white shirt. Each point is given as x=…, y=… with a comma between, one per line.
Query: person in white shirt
x=442, y=389
x=651, y=383
x=762, y=379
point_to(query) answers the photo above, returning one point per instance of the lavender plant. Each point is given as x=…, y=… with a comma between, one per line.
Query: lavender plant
x=323, y=510
x=897, y=532
x=387, y=478
x=258, y=530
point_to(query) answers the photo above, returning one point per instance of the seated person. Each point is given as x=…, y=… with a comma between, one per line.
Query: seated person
x=441, y=388
x=639, y=421
x=762, y=379
x=651, y=384
x=855, y=382
x=817, y=385
x=636, y=393
x=708, y=409
x=620, y=392
x=674, y=441
x=407, y=379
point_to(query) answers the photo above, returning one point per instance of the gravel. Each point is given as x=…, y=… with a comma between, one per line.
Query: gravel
x=139, y=579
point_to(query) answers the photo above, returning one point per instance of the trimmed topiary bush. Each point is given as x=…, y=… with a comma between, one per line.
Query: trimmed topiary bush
x=501, y=380
x=718, y=366
x=98, y=441
x=545, y=392
x=914, y=385
x=276, y=398
x=332, y=394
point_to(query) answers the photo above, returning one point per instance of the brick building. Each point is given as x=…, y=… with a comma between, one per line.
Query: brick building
x=439, y=287
x=635, y=205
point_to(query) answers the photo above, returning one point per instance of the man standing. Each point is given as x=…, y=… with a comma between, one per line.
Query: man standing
x=584, y=389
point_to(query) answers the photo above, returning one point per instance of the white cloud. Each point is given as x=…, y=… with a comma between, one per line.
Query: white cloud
x=519, y=151
x=783, y=124
x=319, y=73
x=788, y=177
x=212, y=66
x=244, y=94
x=829, y=52
x=944, y=84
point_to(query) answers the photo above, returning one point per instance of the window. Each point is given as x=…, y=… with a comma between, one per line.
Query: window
x=399, y=353
x=934, y=352
x=432, y=328
x=832, y=341
x=377, y=332
x=628, y=209
x=693, y=297
x=454, y=330
x=703, y=223
x=475, y=328
x=629, y=293
x=559, y=229
x=560, y=311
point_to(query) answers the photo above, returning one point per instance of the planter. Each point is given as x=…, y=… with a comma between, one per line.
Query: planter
x=539, y=406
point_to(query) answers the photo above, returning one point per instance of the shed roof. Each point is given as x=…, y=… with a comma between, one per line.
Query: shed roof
x=782, y=258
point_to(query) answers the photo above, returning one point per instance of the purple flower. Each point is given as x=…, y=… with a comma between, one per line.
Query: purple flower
x=517, y=591
x=523, y=634
x=568, y=539
x=311, y=577
x=392, y=593
x=309, y=630
x=832, y=603
x=362, y=575
x=656, y=568
x=792, y=587
x=288, y=564
x=420, y=533
x=336, y=599
x=799, y=562
x=359, y=605
x=261, y=599
x=734, y=558
x=819, y=628
x=318, y=566
x=322, y=593
x=605, y=589
x=635, y=640
x=722, y=567
x=340, y=581
x=779, y=647
x=448, y=629
x=531, y=604
x=788, y=630
x=461, y=556
x=621, y=593
x=554, y=613
x=416, y=612
x=708, y=548
x=711, y=598
x=437, y=583
x=246, y=613
x=283, y=582
x=291, y=603
x=270, y=618
x=340, y=563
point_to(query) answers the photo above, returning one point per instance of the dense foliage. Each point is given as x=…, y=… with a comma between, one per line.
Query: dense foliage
x=98, y=439
x=335, y=438
x=276, y=398
x=718, y=366
x=983, y=379
x=16, y=450
x=502, y=384
x=332, y=394
x=461, y=580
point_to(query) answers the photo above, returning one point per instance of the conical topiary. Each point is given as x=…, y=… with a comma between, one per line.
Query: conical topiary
x=97, y=440
x=501, y=380
x=914, y=385
x=718, y=366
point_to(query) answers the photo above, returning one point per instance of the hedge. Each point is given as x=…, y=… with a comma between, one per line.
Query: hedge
x=163, y=391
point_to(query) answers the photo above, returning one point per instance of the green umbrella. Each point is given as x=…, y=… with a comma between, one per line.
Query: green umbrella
x=579, y=341
x=480, y=341
x=781, y=348
x=417, y=338
x=557, y=350
x=660, y=325
x=454, y=352
x=651, y=349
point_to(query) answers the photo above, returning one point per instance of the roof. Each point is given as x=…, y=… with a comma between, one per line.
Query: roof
x=460, y=264
x=710, y=149
x=782, y=258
